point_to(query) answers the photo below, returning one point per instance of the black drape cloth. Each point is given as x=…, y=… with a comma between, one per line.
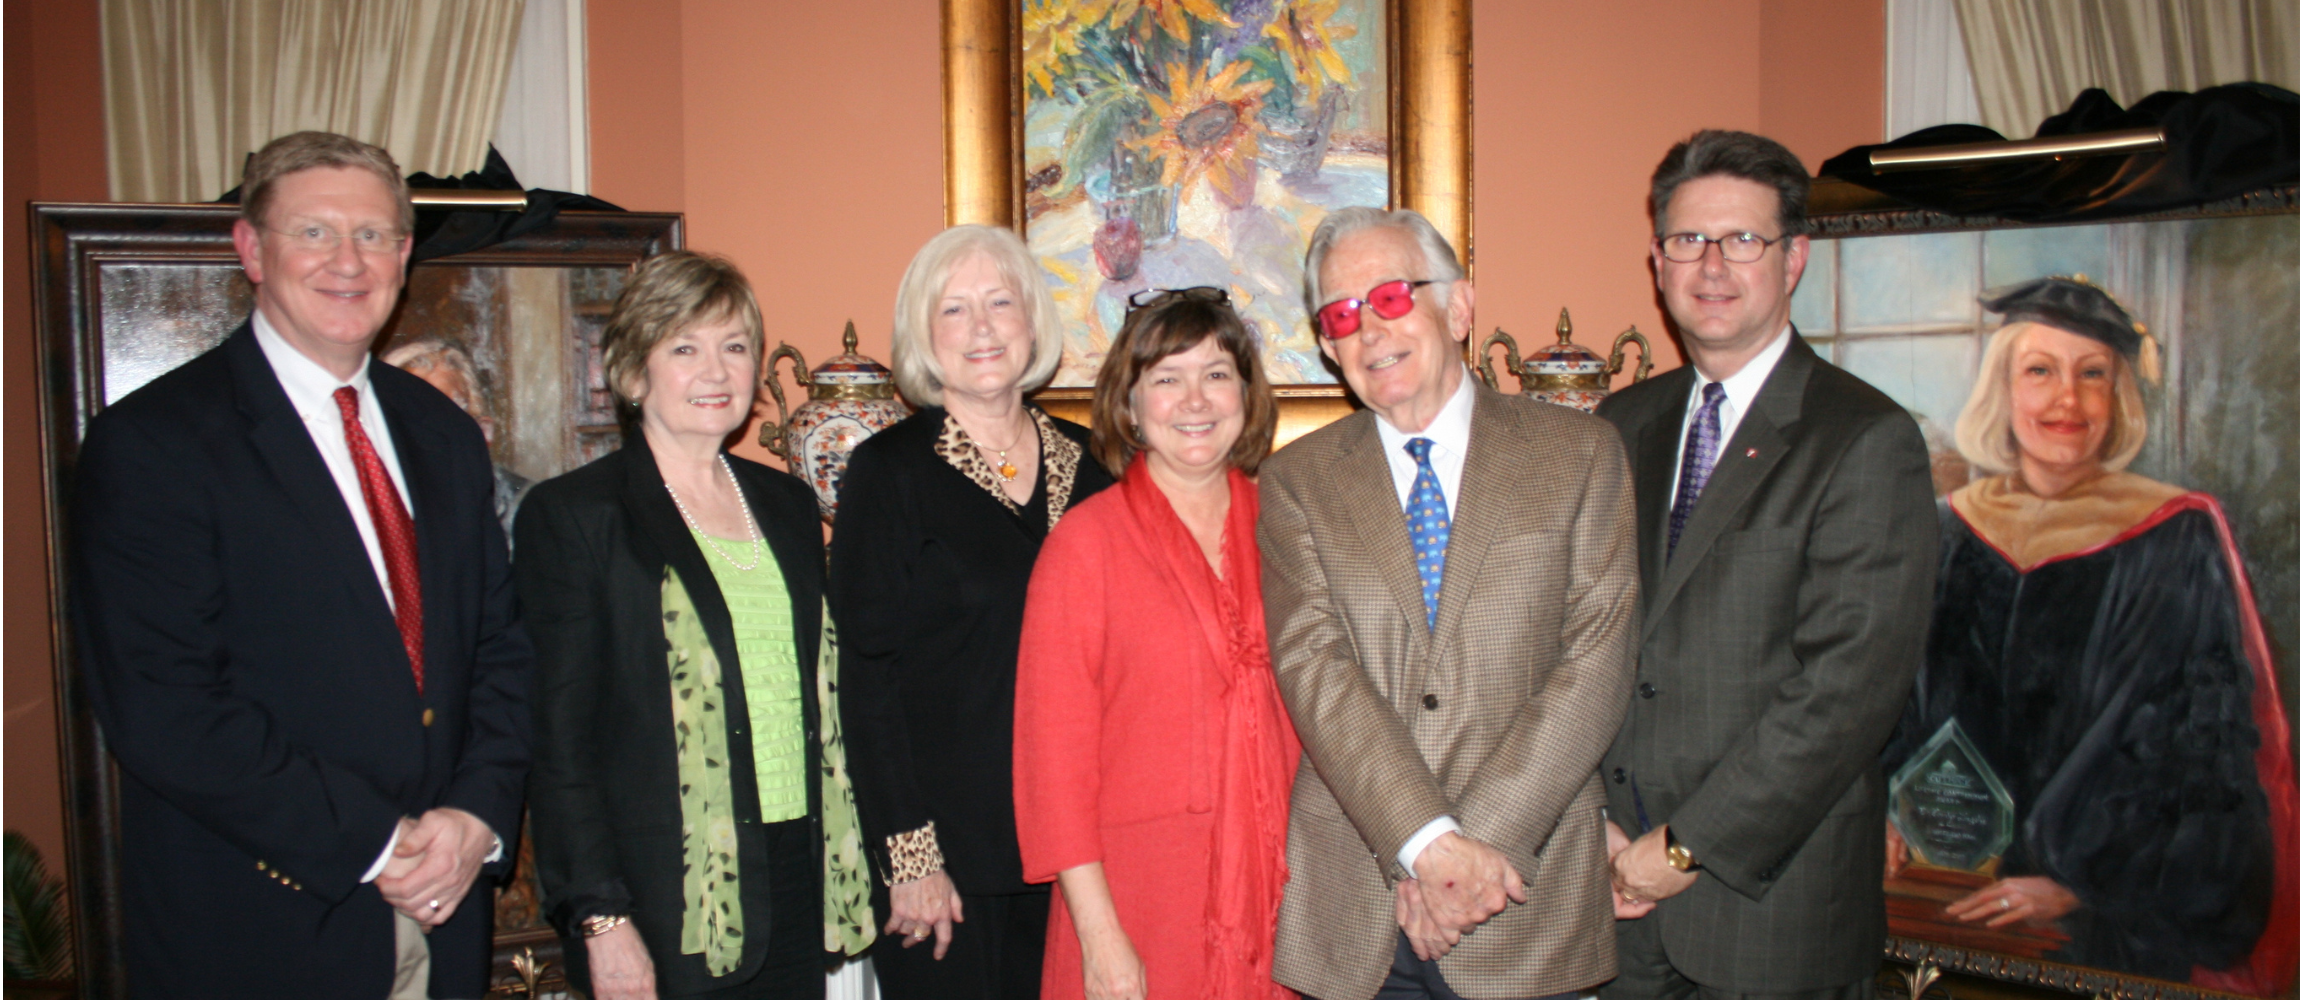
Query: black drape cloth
x=2222, y=142
x=2111, y=694
x=445, y=232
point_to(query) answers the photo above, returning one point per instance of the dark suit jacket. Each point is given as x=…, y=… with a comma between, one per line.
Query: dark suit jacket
x=593, y=548
x=929, y=574
x=249, y=676
x=1779, y=645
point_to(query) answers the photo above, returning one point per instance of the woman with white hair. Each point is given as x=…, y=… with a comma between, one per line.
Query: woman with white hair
x=2094, y=638
x=940, y=521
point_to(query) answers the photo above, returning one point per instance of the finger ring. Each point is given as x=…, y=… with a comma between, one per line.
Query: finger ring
x=435, y=904
x=920, y=934
x=2004, y=902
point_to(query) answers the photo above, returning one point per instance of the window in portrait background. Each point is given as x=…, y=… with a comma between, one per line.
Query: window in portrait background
x=1197, y=144
x=1900, y=310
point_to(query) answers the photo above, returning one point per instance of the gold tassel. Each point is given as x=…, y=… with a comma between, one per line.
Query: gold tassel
x=2151, y=361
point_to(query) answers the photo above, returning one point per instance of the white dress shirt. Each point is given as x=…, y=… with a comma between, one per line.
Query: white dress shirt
x=1449, y=450
x=311, y=390
x=1741, y=390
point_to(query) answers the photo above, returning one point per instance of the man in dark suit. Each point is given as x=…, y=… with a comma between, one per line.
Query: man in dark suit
x=294, y=609
x=1787, y=535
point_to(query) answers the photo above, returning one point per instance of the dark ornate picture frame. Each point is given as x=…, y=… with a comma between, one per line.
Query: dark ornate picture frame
x=1917, y=967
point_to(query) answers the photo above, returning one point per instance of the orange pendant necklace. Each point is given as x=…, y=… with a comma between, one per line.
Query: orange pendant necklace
x=1006, y=467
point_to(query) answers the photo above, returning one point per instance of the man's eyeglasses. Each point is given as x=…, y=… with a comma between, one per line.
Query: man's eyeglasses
x=1740, y=248
x=318, y=239
x=1148, y=297
x=1390, y=299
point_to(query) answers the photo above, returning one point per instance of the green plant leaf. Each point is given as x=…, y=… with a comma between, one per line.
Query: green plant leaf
x=1269, y=64
x=1102, y=121
x=38, y=937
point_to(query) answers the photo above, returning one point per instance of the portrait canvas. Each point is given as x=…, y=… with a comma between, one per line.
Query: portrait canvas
x=532, y=334
x=1183, y=143
x=2162, y=705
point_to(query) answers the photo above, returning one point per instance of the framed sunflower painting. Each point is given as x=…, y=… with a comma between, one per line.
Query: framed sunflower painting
x=1142, y=144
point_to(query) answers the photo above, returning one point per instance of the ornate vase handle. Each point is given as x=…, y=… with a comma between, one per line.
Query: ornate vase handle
x=771, y=435
x=1613, y=365
x=1509, y=352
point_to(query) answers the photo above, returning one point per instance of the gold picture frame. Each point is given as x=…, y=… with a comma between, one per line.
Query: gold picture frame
x=1429, y=105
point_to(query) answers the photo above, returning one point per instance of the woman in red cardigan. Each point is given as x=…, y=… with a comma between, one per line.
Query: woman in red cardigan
x=1152, y=756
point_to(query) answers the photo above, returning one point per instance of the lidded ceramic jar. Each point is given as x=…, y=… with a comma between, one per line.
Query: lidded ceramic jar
x=849, y=398
x=1565, y=373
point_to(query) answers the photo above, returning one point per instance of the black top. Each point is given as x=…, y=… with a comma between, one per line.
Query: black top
x=929, y=573
x=593, y=548
x=2111, y=695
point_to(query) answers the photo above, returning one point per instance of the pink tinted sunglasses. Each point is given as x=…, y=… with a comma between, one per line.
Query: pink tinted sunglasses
x=1390, y=299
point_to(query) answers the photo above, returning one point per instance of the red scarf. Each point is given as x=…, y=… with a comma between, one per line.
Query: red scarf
x=1258, y=750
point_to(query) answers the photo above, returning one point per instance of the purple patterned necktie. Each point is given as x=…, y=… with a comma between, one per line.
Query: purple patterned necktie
x=1700, y=456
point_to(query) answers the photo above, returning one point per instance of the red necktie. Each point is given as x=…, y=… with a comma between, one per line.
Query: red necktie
x=393, y=528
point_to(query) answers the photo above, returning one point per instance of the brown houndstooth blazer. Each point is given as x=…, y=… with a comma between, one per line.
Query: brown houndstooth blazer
x=1499, y=718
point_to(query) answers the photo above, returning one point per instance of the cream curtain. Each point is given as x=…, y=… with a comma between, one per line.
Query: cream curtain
x=2031, y=58
x=191, y=87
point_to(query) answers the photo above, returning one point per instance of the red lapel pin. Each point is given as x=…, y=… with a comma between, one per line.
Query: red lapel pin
x=1752, y=453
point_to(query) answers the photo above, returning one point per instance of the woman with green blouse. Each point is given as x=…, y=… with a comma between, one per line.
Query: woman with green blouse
x=694, y=830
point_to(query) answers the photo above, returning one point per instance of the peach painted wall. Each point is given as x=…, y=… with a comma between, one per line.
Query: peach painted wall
x=809, y=147
x=1822, y=89
x=819, y=171
x=1571, y=117
x=55, y=152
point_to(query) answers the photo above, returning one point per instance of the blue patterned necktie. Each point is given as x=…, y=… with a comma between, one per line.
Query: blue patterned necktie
x=1427, y=521
x=1701, y=447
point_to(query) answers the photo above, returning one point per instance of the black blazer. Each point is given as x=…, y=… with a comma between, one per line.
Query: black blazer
x=929, y=573
x=1779, y=645
x=248, y=675
x=593, y=547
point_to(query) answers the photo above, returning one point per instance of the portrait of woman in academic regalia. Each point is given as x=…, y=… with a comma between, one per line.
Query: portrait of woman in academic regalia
x=2094, y=636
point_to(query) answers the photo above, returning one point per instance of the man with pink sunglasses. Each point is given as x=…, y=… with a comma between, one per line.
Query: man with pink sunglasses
x=1451, y=626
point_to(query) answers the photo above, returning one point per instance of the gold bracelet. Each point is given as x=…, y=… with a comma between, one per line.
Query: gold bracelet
x=595, y=926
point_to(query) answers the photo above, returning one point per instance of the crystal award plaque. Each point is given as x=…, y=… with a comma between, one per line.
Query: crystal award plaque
x=1949, y=806
x=1957, y=820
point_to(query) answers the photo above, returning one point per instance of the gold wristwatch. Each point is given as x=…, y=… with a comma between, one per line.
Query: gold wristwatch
x=595, y=926
x=1679, y=857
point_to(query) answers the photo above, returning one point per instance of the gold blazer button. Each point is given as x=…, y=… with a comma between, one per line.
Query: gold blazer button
x=427, y=718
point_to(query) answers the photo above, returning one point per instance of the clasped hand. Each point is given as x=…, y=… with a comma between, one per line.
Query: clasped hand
x=926, y=906
x=1460, y=884
x=432, y=866
x=1642, y=874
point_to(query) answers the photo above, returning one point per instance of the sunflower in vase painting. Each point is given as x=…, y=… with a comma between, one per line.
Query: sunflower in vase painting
x=1207, y=127
x=1173, y=143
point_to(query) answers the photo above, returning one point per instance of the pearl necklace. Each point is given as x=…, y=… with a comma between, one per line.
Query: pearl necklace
x=740, y=501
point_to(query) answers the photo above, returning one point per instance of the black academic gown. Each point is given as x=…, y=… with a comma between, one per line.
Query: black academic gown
x=2111, y=693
